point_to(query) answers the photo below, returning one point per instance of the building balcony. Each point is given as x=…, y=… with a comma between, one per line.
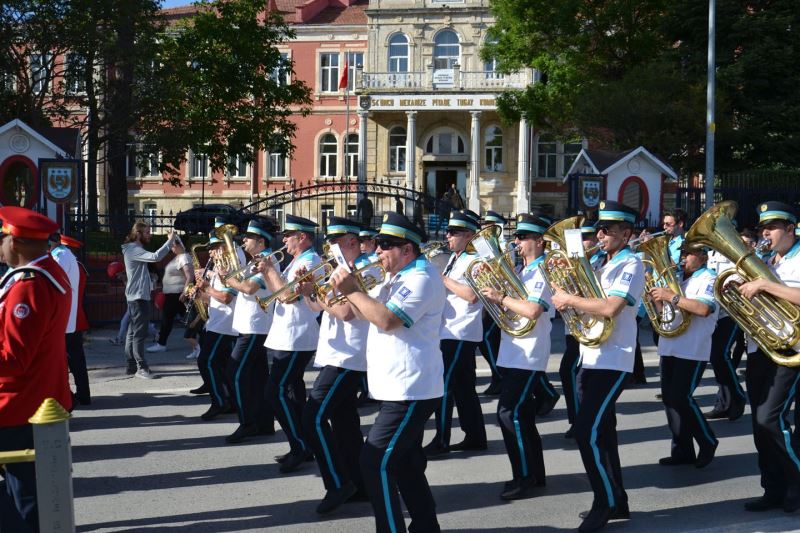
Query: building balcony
x=442, y=80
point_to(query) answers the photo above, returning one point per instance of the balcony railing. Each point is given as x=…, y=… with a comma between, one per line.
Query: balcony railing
x=454, y=79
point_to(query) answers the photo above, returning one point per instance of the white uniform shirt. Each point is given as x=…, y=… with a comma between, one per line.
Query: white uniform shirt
x=294, y=325
x=788, y=271
x=66, y=260
x=248, y=317
x=406, y=363
x=719, y=264
x=461, y=320
x=621, y=276
x=342, y=344
x=532, y=351
x=695, y=342
x=220, y=315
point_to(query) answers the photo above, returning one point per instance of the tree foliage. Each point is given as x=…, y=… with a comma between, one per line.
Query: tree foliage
x=627, y=73
x=213, y=91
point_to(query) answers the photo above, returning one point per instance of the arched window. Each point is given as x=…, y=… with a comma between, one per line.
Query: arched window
x=633, y=193
x=351, y=160
x=445, y=142
x=397, y=149
x=446, y=50
x=18, y=175
x=398, y=53
x=493, y=149
x=547, y=156
x=327, y=156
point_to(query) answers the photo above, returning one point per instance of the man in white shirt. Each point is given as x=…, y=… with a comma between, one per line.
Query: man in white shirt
x=522, y=360
x=604, y=368
x=217, y=342
x=404, y=370
x=292, y=338
x=331, y=422
x=460, y=334
x=684, y=358
x=248, y=370
x=772, y=387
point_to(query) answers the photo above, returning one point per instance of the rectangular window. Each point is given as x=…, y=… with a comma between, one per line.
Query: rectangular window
x=329, y=72
x=150, y=212
x=351, y=212
x=547, y=159
x=326, y=211
x=281, y=74
x=571, y=151
x=397, y=159
x=237, y=167
x=8, y=82
x=198, y=166
x=278, y=214
x=354, y=61
x=134, y=168
x=74, y=67
x=40, y=71
x=277, y=165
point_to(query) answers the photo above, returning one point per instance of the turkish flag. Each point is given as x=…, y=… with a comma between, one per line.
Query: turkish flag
x=343, y=78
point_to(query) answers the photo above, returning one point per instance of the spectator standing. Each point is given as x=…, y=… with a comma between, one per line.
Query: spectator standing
x=178, y=275
x=398, y=204
x=365, y=210
x=137, y=293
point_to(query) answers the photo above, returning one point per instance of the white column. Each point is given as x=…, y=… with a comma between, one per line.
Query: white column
x=474, y=202
x=411, y=154
x=523, y=167
x=362, y=150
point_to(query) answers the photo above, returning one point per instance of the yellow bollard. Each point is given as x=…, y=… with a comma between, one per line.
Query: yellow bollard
x=53, y=468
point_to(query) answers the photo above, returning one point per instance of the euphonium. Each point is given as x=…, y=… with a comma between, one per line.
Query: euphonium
x=437, y=252
x=229, y=259
x=494, y=271
x=575, y=276
x=772, y=322
x=191, y=291
x=661, y=273
x=366, y=281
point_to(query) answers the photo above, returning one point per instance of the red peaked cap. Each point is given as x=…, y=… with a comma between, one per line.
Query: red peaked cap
x=26, y=224
x=72, y=242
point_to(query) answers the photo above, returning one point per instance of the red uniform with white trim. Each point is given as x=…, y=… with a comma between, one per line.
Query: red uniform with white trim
x=33, y=352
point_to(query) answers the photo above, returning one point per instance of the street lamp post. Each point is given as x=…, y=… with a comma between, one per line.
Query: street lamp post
x=710, y=103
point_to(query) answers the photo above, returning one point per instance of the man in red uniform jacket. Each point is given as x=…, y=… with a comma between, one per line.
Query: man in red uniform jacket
x=34, y=308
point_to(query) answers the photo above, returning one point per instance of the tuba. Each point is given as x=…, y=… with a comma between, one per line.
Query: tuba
x=772, y=322
x=228, y=258
x=575, y=276
x=661, y=273
x=495, y=271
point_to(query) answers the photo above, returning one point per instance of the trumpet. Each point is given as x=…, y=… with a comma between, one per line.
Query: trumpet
x=633, y=243
x=251, y=269
x=316, y=276
x=367, y=282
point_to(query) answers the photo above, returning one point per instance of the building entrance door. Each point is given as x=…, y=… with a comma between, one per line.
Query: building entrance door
x=438, y=181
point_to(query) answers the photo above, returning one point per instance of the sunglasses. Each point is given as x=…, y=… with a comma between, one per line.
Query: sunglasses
x=385, y=243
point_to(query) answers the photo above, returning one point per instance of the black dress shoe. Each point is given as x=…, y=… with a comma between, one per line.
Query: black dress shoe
x=791, y=502
x=266, y=430
x=547, y=405
x=359, y=496
x=736, y=410
x=705, y=455
x=620, y=512
x=518, y=489
x=202, y=389
x=281, y=458
x=213, y=412
x=764, y=503
x=570, y=434
x=493, y=389
x=293, y=461
x=597, y=518
x=335, y=498
x=241, y=433
x=434, y=450
x=716, y=414
x=468, y=446
x=673, y=461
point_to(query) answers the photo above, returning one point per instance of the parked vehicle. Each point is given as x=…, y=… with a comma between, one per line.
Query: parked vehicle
x=200, y=219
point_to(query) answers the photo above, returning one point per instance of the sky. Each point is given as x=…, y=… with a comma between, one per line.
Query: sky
x=174, y=3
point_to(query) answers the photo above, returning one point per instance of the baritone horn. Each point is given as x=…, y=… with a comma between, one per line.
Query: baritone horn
x=772, y=322
x=575, y=275
x=366, y=281
x=661, y=273
x=493, y=270
x=228, y=258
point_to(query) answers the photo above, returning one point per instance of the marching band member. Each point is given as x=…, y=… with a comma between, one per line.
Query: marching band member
x=366, y=239
x=675, y=226
x=491, y=333
x=248, y=369
x=292, y=339
x=684, y=358
x=605, y=367
x=404, y=370
x=460, y=334
x=522, y=361
x=331, y=423
x=34, y=311
x=570, y=362
x=217, y=342
x=772, y=387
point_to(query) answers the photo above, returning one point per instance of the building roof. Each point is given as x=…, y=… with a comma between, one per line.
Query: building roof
x=604, y=162
x=64, y=141
x=300, y=11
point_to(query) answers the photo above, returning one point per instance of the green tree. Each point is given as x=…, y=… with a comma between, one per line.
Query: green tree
x=214, y=90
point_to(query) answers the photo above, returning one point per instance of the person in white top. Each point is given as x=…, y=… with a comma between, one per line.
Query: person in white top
x=76, y=358
x=684, y=358
x=217, y=341
x=522, y=360
x=331, y=422
x=404, y=370
x=460, y=334
x=292, y=338
x=604, y=368
x=247, y=370
x=177, y=276
x=772, y=387
x=491, y=333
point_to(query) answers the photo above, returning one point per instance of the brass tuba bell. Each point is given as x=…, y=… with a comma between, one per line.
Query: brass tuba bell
x=661, y=273
x=772, y=322
x=228, y=258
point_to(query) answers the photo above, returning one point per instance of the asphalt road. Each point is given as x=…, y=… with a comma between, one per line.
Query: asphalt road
x=143, y=460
